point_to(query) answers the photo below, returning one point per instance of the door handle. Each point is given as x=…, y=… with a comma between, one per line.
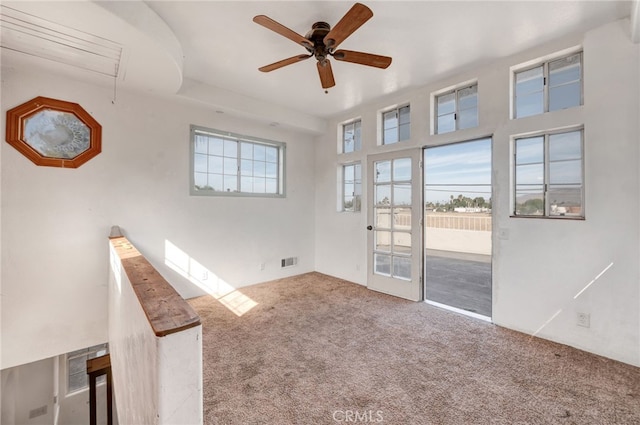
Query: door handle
x=369, y=227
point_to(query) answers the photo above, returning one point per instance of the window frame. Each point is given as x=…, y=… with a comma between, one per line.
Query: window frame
x=382, y=127
x=84, y=352
x=545, y=85
x=357, y=207
x=357, y=143
x=239, y=138
x=546, y=161
x=455, y=91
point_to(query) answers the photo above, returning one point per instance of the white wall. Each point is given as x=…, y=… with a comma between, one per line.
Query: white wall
x=55, y=221
x=542, y=264
x=26, y=388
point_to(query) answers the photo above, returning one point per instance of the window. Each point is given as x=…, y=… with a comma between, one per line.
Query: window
x=548, y=175
x=396, y=125
x=457, y=109
x=230, y=164
x=351, y=137
x=77, y=378
x=548, y=87
x=351, y=187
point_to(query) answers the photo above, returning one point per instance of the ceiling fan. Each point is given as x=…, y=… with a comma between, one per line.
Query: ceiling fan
x=322, y=41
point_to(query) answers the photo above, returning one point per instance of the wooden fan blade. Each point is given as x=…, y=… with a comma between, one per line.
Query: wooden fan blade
x=283, y=62
x=351, y=21
x=363, y=58
x=269, y=23
x=326, y=74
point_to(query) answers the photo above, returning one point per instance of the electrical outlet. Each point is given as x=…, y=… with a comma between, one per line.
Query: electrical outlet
x=583, y=319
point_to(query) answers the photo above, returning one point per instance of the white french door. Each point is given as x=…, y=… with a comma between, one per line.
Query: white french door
x=394, y=214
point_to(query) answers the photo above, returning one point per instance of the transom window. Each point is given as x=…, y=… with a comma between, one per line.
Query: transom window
x=548, y=171
x=457, y=109
x=352, y=137
x=396, y=125
x=351, y=187
x=77, y=378
x=230, y=164
x=551, y=86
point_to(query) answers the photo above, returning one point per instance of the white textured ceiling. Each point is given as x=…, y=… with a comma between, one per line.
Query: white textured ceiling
x=222, y=48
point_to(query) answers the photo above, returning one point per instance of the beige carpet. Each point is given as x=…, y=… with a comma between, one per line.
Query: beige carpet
x=319, y=350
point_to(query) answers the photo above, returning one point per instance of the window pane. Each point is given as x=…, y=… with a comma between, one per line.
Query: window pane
x=246, y=184
x=530, y=81
x=565, y=70
x=528, y=105
x=246, y=150
x=383, y=194
x=230, y=166
x=357, y=136
x=530, y=174
x=401, y=218
x=383, y=241
x=468, y=98
x=446, y=123
x=565, y=172
x=215, y=164
x=446, y=104
x=259, y=184
x=565, y=146
x=565, y=200
x=402, y=194
x=390, y=119
x=383, y=218
x=200, y=163
x=402, y=169
x=215, y=182
x=216, y=146
x=405, y=132
x=402, y=242
x=530, y=150
x=78, y=381
x=271, y=154
x=259, y=153
x=246, y=167
x=200, y=180
x=348, y=204
x=405, y=115
x=349, y=171
x=358, y=172
x=390, y=136
x=402, y=267
x=200, y=144
x=565, y=96
x=271, y=170
x=529, y=200
x=230, y=183
x=468, y=118
x=348, y=137
x=259, y=169
x=382, y=264
x=271, y=186
x=230, y=148
x=349, y=189
x=383, y=171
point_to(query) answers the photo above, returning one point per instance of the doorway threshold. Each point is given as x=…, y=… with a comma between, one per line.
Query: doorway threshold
x=460, y=311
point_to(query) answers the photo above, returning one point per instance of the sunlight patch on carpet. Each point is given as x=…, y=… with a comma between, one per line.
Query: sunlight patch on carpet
x=196, y=273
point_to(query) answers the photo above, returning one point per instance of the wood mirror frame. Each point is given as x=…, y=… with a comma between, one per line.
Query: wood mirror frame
x=53, y=132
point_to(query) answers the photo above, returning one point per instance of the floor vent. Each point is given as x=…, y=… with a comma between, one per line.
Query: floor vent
x=289, y=262
x=38, y=412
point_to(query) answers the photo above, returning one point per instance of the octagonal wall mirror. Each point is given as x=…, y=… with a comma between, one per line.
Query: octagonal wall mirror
x=53, y=132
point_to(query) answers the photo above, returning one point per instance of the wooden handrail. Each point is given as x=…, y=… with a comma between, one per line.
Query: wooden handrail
x=166, y=311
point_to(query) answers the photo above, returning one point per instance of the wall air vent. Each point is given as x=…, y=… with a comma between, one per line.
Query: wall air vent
x=34, y=36
x=34, y=413
x=289, y=262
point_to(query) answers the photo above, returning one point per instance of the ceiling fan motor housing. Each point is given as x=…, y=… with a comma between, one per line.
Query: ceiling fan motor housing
x=317, y=34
